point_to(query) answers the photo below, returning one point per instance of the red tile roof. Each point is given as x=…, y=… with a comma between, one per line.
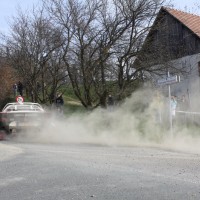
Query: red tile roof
x=190, y=20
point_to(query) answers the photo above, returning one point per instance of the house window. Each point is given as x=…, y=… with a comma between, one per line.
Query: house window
x=199, y=68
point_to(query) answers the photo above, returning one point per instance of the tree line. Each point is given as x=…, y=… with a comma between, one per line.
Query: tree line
x=89, y=45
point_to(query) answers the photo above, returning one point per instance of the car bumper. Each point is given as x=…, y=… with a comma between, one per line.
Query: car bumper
x=23, y=125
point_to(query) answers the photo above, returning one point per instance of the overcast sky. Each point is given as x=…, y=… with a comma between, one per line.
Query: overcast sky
x=8, y=9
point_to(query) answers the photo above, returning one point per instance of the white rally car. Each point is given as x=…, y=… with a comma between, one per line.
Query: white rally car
x=20, y=116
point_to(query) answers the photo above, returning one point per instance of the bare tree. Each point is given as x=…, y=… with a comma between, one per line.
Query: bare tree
x=31, y=45
x=102, y=39
x=8, y=77
x=93, y=42
x=137, y=19
x=80, y=31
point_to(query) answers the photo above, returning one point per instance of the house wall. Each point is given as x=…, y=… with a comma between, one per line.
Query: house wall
x=190, y=82
x=168, y=39
x=171, y=42
x=180, y=40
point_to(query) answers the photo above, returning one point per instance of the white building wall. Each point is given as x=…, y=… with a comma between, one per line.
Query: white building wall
x=190, y=82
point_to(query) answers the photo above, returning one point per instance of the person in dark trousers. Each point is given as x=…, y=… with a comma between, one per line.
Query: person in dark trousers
x=20, y=88
x=184, y=104
x=59, y=103
x=110, y=102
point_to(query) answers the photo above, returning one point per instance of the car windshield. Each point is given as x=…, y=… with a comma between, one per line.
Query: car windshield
x=27, y=107
x=31, y=107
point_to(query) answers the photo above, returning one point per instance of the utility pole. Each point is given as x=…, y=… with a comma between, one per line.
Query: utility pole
x=170, y=109
x=168, y=81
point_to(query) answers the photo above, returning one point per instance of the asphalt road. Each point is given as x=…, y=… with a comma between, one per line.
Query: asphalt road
x=83, y=172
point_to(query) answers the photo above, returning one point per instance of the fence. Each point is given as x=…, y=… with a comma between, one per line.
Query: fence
x=188, y=117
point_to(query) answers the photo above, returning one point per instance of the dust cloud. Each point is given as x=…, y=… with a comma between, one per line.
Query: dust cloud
x=142, y=120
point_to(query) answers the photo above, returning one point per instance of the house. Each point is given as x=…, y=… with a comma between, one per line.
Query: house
x=174, y=41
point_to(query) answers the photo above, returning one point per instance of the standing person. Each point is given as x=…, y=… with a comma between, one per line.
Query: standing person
x=20, y=88
x=15, y=89
x=59, y=103
x=110, y=101
x=184, y=103
x=184, y=107
x=173, y=104
x=156, y=106
x=38, y=87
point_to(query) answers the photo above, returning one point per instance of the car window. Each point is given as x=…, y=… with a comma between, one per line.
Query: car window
x=34, y=107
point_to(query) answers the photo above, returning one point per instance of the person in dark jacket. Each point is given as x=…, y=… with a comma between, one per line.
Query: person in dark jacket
x=110, y=102
x=20, y=88
x=59, y=103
